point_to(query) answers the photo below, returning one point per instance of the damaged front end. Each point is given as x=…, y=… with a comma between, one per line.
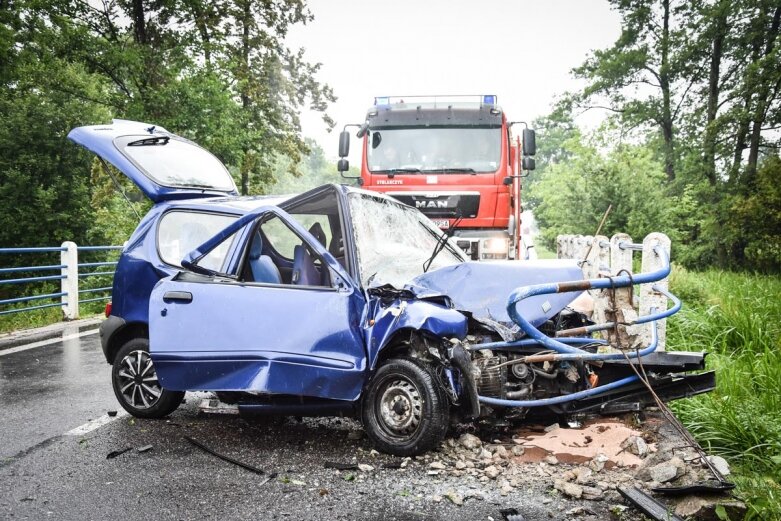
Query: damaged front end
x=545, y=361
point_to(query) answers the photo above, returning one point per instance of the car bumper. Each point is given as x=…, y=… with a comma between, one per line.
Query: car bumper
x=107, y=330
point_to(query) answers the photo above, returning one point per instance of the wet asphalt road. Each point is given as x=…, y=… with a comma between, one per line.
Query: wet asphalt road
x=46, y=473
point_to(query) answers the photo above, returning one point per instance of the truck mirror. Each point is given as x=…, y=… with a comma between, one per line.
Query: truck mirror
x=529, y=142
x=507, y=181
x=344, y=144
x=528, y=163
x=343, y=165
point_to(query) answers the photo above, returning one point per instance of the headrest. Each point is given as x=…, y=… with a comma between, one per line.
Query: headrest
x=317, y=232
x=256, y=248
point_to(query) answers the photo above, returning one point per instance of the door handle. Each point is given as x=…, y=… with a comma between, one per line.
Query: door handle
x=181, y=296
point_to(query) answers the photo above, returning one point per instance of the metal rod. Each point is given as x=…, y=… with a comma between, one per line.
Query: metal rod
x=35, y=297
x=95, y=264
x=95, y=299
x=20, y=310
x=33, y=279
x=94, y=290
x=95, y=274
x=33, y=268
x=98, y=248
x=32, y=250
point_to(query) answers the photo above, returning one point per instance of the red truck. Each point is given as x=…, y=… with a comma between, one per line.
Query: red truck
x=455, y=159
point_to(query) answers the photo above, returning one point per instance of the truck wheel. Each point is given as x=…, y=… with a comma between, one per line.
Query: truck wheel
x=135, y=383
x=404, y=411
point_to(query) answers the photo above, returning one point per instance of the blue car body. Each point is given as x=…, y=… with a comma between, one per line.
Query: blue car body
x=317, y=341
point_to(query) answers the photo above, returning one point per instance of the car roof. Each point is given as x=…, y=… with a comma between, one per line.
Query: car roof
x=244, y=204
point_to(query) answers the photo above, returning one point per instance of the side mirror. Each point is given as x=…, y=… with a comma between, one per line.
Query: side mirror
x=344, y=144
x=343, y=165
x=507, y=181
x=529, y=142
x=528, y=163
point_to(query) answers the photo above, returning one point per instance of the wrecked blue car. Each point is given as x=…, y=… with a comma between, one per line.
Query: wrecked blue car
x=341, y=301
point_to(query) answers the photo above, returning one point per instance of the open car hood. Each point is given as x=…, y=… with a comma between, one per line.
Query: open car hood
x=482, y=289
x=164, y=166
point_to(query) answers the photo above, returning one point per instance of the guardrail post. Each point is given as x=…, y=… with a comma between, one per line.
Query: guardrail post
x=621, y=309
x=70, y=284
x=648, y=297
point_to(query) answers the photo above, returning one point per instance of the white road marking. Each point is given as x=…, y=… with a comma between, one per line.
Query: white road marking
x=50, y=341
x=91, y=425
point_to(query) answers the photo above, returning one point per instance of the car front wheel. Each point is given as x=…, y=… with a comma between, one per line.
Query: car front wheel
x=404, y=410
x=136, y=385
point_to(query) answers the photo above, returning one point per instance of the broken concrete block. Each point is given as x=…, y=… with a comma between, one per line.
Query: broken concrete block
x=568, y=489
x=592, y=493
x=667, y=471
x=598, y=462
x=470, y=441
x=635, y=445
x=721, y=464
x=437, y=465
x=492, y=471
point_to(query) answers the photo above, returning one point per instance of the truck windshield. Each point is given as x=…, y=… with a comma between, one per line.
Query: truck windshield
x=434, y=150
x=394, y=241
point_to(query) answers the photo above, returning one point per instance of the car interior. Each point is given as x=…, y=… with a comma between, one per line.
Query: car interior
x=278, y=255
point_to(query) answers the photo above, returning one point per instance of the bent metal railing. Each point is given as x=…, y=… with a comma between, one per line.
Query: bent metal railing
x=69, y=272
x=653, y=284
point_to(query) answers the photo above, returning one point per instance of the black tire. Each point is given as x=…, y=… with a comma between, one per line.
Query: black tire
x=404, y=410
x=137, y=394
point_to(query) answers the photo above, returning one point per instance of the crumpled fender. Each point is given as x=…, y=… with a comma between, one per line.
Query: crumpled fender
x=416, y=315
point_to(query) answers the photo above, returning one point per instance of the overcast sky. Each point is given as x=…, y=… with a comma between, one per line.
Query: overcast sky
x=520, y=50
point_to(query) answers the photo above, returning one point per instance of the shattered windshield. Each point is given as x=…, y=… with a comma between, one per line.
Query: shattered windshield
x=413, y=149
x=394, y=241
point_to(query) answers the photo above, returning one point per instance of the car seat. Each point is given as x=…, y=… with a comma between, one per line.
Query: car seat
x=317, y=232
x=304, y=271
x=262, y=267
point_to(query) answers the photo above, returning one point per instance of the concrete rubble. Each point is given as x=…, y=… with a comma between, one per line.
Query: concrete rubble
x=584, y=464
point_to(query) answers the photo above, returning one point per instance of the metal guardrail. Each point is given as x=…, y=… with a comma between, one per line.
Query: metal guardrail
x=70, y=273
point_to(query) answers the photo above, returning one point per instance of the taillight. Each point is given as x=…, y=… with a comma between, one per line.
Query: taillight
x=108, y=309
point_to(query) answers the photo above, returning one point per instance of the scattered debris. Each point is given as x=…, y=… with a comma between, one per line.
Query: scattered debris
x=568, y=489
x=648, y=505
x=214, y=406
x=636, y=445
x=470, y=441
x=226, y=458
x=667, y=471
x=111, y=413
x=340, y=466
x=145, y=448
x=454, y=498
x=720, y=464
x=114, y=454
x=355, y=435
x=511, y=514
x=363, y=467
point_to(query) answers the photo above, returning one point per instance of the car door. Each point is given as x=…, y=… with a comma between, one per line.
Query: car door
x=230, y=333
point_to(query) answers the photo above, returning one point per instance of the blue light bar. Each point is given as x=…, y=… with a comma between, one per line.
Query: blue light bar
x=489, y=100
x=385, y=100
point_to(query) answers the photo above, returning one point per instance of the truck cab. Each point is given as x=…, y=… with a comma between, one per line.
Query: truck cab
x=454, y=159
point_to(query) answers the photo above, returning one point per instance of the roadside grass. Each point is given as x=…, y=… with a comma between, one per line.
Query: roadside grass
x=736, y=317
x=44, y=317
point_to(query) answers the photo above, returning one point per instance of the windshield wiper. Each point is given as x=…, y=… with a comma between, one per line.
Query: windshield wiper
x=393, y=171
x=441, y=242
x=450, y=169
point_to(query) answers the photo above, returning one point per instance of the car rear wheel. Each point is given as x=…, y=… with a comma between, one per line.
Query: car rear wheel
x=135, y=383
x=404, y=410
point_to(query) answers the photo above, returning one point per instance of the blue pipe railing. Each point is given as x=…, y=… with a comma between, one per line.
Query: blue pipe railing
x=66, y=273
x=563, y=348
